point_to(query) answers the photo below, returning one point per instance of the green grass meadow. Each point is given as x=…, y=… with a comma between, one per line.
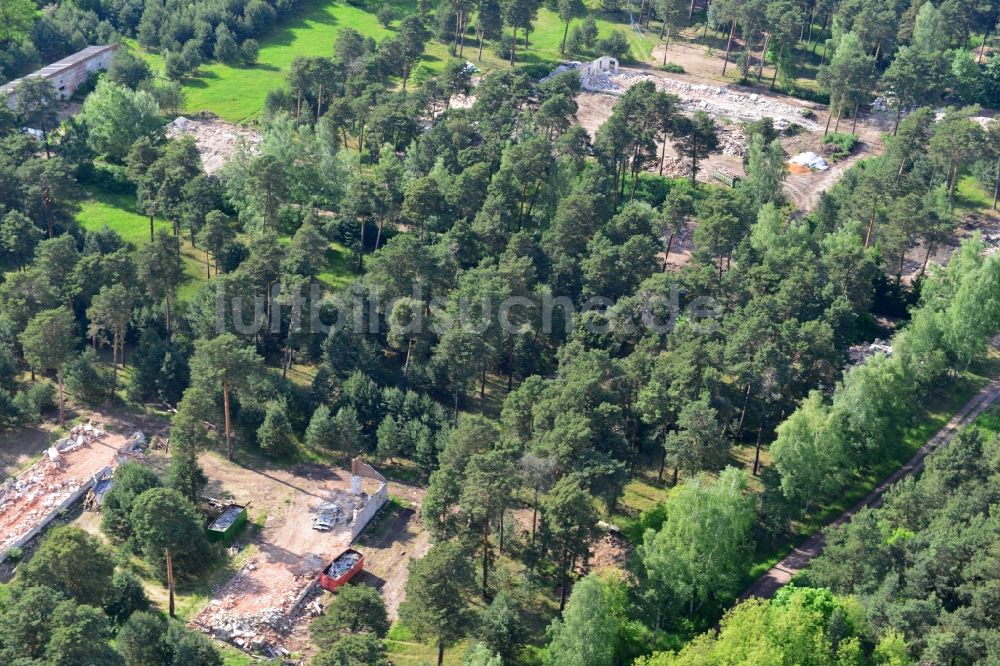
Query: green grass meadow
x=118, y=212
x=237, y=92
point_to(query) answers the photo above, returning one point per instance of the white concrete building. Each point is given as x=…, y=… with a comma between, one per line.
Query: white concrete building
x=601, y=65
x=67, y=74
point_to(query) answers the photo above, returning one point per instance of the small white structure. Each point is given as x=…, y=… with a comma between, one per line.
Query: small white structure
x=600, y=66
x=374, y=502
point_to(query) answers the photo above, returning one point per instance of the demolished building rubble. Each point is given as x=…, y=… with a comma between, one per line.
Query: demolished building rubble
x=720, y=102
x=859, y=353
x=68, y=470
x=217, y=140
x=261, y=604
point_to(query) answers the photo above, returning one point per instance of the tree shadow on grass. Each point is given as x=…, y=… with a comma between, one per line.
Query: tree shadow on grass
x=200, y=78
x=261, y=66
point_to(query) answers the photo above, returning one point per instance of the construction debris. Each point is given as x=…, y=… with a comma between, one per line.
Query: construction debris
x=717, y=101
x=69, y=468
x=732, y=139
x=570, y=66
x=259, y=608
x=342, y=564
x=227, y=518
x=859, y=353
x=95, y=496
x=217, y=140
x=330, y=514
x=235, y=616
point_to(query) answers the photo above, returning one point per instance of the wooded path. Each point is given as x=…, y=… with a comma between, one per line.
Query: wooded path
x=780, y=574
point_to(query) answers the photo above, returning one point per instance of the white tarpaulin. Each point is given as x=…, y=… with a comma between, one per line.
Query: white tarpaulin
x=811, y=160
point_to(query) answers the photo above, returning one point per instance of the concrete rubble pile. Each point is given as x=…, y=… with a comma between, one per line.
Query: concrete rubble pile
x=717, y=101
x=341, y=511
x=255, y=629
x=27, y=500
x=732, y=140
x=859, y=353
x=217, y=140
x=562, y=67
x=81, y=435
x=672, y=167
x=252, y=630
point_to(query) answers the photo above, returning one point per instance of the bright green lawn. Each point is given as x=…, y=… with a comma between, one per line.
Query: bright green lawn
x=237, y=93
x=970, y=196
x=989, y=421
x=118, y=212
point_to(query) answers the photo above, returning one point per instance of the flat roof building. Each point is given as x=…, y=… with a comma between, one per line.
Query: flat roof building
x=67, y=74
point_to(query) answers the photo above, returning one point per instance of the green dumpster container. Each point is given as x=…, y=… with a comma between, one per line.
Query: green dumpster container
x=228, y=524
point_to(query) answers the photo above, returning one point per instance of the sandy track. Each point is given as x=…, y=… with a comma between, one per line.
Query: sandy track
x=780, y=574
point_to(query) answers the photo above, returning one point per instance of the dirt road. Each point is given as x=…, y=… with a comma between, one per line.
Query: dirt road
x=805, y=189
x=780, y=574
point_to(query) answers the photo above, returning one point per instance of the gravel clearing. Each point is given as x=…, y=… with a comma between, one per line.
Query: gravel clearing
x=719, y=101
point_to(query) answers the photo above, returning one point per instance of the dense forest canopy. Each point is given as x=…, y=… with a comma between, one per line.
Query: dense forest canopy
x=507, y=329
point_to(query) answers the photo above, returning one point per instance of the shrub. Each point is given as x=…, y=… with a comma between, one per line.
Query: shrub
x=274, y=435
x=175, y=65
x=87, y=379
x=650, y=519
x=32, y=404
x=168, y=94
x=14, y=554
x=793, y=129
x=190, y=647
x=838, y=145
x=504, y=46
x=575, y=42
x=671, y=67
x=9, y=413
x=162, y=519
x=385, y=15
x=107, y=177
x=249, y=51
x=321, y=432
x=126, y=596
x=184, y=474
x=226, y=49
x=131, y=480
x=615, y=45
x=140, y=639
x=589, y=32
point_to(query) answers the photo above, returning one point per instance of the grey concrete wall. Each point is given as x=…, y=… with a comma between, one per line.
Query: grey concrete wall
x=368, y=511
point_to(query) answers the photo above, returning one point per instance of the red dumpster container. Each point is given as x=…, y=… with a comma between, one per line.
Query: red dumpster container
x=342, y=569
